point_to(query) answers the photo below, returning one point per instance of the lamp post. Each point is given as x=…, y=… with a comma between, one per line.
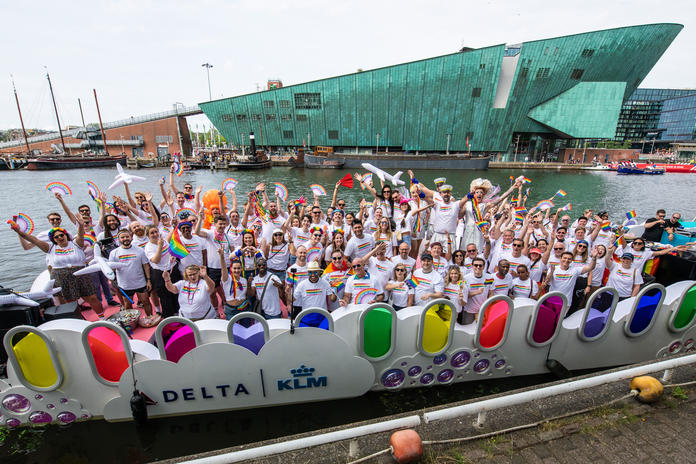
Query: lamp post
x=377, y=150
x=178, y=129
x=207, y=67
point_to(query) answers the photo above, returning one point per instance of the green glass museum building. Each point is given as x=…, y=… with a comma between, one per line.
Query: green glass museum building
x=475, y=100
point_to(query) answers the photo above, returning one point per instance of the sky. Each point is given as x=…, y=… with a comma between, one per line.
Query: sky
x=144, y=56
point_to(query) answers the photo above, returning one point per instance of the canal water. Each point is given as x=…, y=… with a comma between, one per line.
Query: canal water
x=25, y=192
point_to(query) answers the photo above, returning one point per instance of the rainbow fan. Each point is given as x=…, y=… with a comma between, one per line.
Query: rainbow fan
x=24, y=223
x=318, y=190
x=544, y=205
x=183, y=213
x=93, y=190
x=59, y=187
x=365, y=179
x=229, y=184
x=366, y=295
x=314, y=254
x=281, y=191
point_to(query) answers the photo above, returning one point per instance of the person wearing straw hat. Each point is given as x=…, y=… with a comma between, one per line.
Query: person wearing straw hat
x=445, y=213
x=313, y=291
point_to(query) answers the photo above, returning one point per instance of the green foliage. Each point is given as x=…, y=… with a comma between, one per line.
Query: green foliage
x=679, y=393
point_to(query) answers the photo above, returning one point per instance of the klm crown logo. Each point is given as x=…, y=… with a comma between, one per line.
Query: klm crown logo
x=302, y=377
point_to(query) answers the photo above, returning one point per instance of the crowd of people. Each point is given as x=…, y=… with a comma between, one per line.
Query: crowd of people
x=402, y=245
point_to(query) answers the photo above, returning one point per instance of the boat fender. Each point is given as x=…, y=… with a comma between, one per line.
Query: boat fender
x=138, y=408
x=558, y=369
x=649, y=388
x=406, y=446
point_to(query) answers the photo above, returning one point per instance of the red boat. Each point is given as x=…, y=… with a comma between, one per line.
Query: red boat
x=673, y=167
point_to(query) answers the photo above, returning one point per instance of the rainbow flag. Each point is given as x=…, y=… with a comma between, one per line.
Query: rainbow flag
x=291, y=278
x=520, y=213
x=631, y=214
x=561, y=193
x=526, y=180
x=512, y=180
x=567, y=207
x=620, y=242
x=605, y=226
x=177, y=247
x=412, y=282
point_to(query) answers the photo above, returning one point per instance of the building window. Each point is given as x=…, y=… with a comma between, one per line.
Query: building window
x=301, y=117
x=523, y=73
x=287, y=134
x=268, y=103
x=588, y=52
x=308, y=101
x=482, y=66
x=286, y=117
x=284, y=103
x=171, y=138
x=476, y=92
x=242, y=117
x=543, y=73
x=255, y=117
x=577, y=74
x=333, y=134
x=227, y=117
x=270, y=117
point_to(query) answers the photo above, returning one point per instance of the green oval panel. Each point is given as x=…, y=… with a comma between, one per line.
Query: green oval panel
x=377, y=332
x=687, y=310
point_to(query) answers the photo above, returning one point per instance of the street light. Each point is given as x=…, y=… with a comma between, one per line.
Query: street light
x=207, y=67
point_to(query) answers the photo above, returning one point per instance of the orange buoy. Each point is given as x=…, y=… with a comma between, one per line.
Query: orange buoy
x=406, y=446
x=649, y=388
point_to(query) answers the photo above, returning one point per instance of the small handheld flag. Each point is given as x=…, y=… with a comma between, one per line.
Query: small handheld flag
x=631, y=214
x=605, y=226
x=567, y=207
x=561, y=193
x=176, y=246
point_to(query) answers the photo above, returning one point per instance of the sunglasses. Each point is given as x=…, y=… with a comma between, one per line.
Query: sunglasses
x=558, y=249
x=277, y=235
x=341, y=204
x=517, y=245
x=471, y=251
x=54, y=219
x=582, y=246
x=638, y=243
x=336, y=258
x=314, y=272
x=317, y=235
x=58, y=235
x=357, y=266
x=400, y=270
x=477, y=265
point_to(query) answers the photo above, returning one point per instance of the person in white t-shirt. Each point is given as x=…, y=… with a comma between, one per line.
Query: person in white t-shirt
x=361, y=287
x=502, y=280
x=313, y=292
x=523, y=286
x=562, y=277
x=404, y=258
x=479, y=284
x=428, y=282
x=625, y=278
x=157, y=252
x=265, y=288
x=455, y=288
x=133, y=275
x=400, y=293
x=360, y=243
x=195, y=245
x=194, y=293
x=237, y=292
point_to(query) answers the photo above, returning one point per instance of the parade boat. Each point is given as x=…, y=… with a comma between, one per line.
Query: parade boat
x=649, y=170
x=684, y=168
x=69, y=370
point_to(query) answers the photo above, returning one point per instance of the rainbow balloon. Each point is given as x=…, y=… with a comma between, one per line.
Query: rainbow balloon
x=281, y=191
x=544, y=204
x=93, y=190
x=25, y=223
x=59, y=187
x=365, y=295
x=318, y=190
x=229, y=184
x=185, y=212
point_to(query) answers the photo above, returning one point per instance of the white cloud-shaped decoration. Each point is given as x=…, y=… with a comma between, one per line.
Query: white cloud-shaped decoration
x=311, y=365
x=21, y=406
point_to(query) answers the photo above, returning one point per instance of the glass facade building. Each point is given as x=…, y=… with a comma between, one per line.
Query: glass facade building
x=475, y=100
x=659, y=114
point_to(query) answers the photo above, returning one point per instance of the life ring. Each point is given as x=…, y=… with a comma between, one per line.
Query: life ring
x=406, y=446
x=649, y=388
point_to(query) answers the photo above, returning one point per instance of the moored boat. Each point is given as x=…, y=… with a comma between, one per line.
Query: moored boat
x=323, y=158
x=73, y=162
x=649, y=170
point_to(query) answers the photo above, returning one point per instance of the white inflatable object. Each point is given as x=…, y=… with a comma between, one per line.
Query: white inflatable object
x=99, y=264
x=384, y=176
x=123, y=178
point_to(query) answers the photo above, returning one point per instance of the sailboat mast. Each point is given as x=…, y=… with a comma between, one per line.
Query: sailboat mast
x=81, y=114
x=50, y=86
x=100, y=123
x=21, y=120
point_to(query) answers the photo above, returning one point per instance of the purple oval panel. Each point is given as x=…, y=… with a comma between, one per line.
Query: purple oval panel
x=440, y=359
x=674, y=347
x=445, y=376
x=40, y=417
x=16, y=403
x=481, y=365
x=38, y=396
x=414, y=371
x=460, y=359
x=427, y=378
x=66, y=417
x=499, y=364
x=393, y=378
x=12, y=422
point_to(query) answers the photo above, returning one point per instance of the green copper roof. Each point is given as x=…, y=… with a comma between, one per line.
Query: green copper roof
x=572, y=85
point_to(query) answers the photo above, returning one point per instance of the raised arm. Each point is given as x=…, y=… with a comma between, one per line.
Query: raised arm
x=129, y=197
x=69, y=213
x=43, y=246
x=171, y=180
x=593, y=262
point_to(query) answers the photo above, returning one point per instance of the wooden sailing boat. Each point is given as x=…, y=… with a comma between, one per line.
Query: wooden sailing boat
x=84, y=160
